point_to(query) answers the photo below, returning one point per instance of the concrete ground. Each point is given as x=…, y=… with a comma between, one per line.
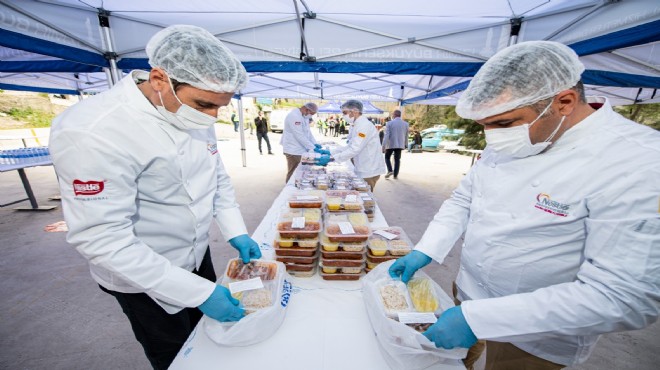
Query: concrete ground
x=53, y=315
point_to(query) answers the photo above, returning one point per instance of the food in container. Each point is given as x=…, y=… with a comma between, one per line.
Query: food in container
x=329, y=269
x=237, y=270
x=394, y=297
x=309, y=157
x=351, y=270
x=307, y=273
x=347, y=227
x=340, y=277
x=399, y=247
x=389, y=241
x=307, y=198
x=256, y=299
x=368, y=199
x=343, y=262
x=299, y=224
x=327, y=245
x=379, y=259
x=422, y=295
x=378, y=247
x=298, y=260
x=294, y=251
x=343, y=200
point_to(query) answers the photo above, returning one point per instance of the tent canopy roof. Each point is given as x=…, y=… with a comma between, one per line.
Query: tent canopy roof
x=315, y=49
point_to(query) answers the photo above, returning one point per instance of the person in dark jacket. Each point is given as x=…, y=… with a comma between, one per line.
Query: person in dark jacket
x=261, y=125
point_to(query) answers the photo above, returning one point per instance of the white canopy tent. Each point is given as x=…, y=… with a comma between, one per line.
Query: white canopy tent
x=312, y=49
x=376, y=50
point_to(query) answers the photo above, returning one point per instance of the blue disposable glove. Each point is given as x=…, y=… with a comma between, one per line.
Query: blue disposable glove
x=322, y=151
x=222, y=306
x=247, y=248
x=408, y=264
x=451, y=330
x=317, y=146
x=323, y=160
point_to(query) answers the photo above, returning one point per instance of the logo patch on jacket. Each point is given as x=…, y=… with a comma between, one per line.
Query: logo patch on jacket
x=362, y=135
x=213, y=148
x=297, y=123
x=544, y=203
x=87, y=187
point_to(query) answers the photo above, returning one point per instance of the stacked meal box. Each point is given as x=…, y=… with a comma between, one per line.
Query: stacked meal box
x=386, y=244
x=343, y=241
x=297, y=239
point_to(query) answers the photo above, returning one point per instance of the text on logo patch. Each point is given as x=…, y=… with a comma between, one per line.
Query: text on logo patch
x=362, y=135
x=544, y=203
x=213, y=148
x=87, y=187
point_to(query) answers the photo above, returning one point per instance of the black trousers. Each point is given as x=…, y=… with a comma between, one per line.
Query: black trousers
x=397, y=160
x=263, y=135
x=162, y=335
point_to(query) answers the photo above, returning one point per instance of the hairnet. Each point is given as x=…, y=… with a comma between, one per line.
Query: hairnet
x=518, y=76
x=194, y=56
x=353, y=104
x=311, y=106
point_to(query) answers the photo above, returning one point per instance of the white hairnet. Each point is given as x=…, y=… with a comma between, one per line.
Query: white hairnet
x=353, y=105
x=518, y=76
x=194, y=56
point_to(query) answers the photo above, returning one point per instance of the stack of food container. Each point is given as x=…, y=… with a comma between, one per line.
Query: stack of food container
x=297, y=239
x=369, y=204
x=387, y=244
x=343, y=245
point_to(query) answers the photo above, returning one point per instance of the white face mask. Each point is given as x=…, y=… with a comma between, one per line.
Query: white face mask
x=308, y=116
x=515, y=142
x=186, y=117
x=348, y=119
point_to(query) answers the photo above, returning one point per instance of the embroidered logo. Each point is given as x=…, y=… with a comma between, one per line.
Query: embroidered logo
x=213, y=148
x=362, y=135
x=87, y=187
x=297, y=123
x=544, y=203
x=286, y=293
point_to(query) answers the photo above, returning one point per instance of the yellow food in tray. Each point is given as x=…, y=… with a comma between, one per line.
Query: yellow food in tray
x=422, y=295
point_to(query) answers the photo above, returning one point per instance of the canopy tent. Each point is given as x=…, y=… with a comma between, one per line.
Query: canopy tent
x=313, y=49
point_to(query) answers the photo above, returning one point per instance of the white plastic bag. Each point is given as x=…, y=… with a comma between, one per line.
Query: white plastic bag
x=401, y=346
x=257, y=326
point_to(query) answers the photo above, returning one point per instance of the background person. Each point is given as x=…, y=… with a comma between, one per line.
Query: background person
x=297, y=137
x=363, y=145
x=141, y=181
x=416, y=141
x=234, y=120
x=261, y=126
x=394, y=140
x=562, y=231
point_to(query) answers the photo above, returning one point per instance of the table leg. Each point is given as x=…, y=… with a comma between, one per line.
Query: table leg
x=30, y=194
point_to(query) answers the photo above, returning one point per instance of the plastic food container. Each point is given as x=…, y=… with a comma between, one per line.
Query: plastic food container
x=294, y=251
x=299, y=224
x=309, y=157
x=343, y=200
x=422, y=295
x=343, y=262
x=306, y=198
x=394, y=297
x=341, y=270
x=347, y=227
x=352, y=247
x=379, y=259
x=312, y=242
x=341, y=255
x=389, y=241
x=340, y=277
x=307, y=273
x=298, y=260
x=237, y=270
x=368, y=199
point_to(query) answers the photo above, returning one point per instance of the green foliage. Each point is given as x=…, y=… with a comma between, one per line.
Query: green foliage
x=646, y=114
x=43, y=95
x=34, y=118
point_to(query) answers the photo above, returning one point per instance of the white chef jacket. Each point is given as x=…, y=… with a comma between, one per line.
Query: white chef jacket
x=364, y=147
x=562, y=246
x=297, y=138
x=139, y=195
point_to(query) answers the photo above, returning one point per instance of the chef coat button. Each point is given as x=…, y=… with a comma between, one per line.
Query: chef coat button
x=536, y=183
x=198, y=225
x=481, y=285
x=479, y=264
x=462, y=268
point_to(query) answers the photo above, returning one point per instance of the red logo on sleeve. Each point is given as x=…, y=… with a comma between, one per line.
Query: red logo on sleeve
x=87, y=187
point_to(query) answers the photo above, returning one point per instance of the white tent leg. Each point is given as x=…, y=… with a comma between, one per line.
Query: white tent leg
x=241, y=131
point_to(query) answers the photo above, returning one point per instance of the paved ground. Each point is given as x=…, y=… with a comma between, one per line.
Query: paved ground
x=53, y=316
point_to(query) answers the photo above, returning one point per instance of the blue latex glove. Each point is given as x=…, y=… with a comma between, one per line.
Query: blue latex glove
x=322, y=151
x=222, y=306
x=451, y=330
x=323, y=160
x=247, y=248
x=317, y=146
x=408, y=264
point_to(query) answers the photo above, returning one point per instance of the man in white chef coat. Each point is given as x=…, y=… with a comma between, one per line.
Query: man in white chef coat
x=142, y=180
x=560, y=215
x=363, y=146
x=297, y=138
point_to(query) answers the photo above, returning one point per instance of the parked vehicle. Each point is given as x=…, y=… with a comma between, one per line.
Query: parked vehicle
x=276, y=119
x=436, y=138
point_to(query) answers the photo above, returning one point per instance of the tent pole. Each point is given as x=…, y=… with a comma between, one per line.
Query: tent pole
x=108, y=77
x=110, y=54
x=516, y=23
x=240, y=129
